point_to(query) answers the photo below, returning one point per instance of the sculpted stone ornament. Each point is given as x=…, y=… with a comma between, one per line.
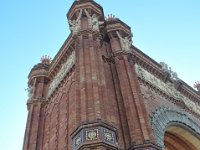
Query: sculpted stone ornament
x=78, y=141
x=75, y=25
x=30, y=92
x=93, y=21
x=167, y=88
x=108, y=136
x=31, y=89
x=165, y=68
x=92, y=134
x=125, y=43
x=61, y=74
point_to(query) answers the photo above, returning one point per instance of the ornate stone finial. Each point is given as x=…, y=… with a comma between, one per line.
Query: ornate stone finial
x=45, y=59
x=125, y=42
x=110, y=17
x=197, y=85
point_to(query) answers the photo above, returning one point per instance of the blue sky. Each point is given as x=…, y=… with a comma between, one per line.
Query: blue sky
x=167, y=31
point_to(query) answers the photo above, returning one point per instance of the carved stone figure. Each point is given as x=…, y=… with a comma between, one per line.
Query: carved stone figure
x=125, y=42
x=174, y=75
x=30, y=92
x=75, y=25
x=93, y=21
x=165, y=68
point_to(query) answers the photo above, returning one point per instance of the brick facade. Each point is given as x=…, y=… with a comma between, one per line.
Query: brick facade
x=100, y=92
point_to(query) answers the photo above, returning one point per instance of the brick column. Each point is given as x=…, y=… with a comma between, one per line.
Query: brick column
x=92, y=102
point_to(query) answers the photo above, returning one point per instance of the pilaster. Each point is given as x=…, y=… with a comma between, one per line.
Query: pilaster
x=86, y=20
x=123, y=57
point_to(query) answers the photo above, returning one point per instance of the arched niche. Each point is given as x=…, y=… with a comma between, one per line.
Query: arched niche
x=168, y=122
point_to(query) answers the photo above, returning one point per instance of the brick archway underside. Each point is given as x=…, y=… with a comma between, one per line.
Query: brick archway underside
x=175, y=142
x=163, y=118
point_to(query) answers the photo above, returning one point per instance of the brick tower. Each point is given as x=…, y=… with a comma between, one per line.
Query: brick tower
x=95, y=94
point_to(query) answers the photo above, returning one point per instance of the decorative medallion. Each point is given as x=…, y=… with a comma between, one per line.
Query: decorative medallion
x=78, y=141
x=92, y=134
x=95, y=133
x=108, y=136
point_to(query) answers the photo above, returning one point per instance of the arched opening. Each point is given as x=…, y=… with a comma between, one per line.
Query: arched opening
x=173, y=128
x=179, y=138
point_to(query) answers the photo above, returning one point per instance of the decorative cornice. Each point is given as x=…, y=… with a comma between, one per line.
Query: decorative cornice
x=110, y=59
x=64, y=51
x=117, y=25
x=164, y=117
x=35, y=102
x=156, y=69
x=167, y=88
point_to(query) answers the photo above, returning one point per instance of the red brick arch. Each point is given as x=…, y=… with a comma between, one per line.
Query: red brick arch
x=163, y=118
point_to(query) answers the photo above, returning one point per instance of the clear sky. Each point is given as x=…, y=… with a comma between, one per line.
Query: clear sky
x=167, y=31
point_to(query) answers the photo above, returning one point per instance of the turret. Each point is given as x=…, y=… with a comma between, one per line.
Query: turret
x=38, y=79
x=120, y=35
x=37, y=89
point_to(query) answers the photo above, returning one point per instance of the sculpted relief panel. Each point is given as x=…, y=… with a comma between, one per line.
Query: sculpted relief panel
x=167, y=88
x=61, y=74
